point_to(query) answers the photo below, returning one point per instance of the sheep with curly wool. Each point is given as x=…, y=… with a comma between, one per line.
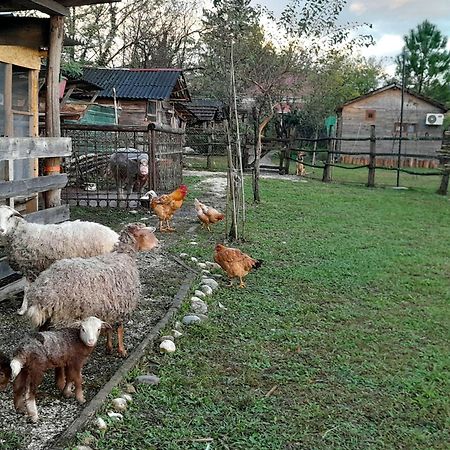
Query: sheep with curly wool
x=64, y=350
x=105, y=286
x=31, y=248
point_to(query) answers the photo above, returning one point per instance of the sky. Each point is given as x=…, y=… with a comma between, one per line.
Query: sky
x=390, y=19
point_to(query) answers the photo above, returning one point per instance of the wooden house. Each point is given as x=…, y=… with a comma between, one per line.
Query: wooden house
x=142, y=96
x=422, y=118
x=24, y=41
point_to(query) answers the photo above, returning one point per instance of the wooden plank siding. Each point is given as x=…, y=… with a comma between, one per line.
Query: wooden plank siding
x=30, y=186
x=353, y=121
x=29, y=147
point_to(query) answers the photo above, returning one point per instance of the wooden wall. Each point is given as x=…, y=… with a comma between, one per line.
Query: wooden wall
x=353, y=122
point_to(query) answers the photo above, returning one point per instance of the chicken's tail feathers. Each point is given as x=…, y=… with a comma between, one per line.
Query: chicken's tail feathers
x=258, y=263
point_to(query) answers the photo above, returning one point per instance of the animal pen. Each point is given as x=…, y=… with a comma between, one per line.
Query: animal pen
x=105, y=168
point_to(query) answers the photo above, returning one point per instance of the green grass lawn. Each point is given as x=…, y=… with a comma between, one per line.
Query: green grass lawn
x=348, y=318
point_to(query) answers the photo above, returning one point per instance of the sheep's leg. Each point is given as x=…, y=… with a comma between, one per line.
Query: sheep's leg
x=60, y=378
x=24, y=307
x=122, y=351
x=19, y=388
x=67, y=391
x=74, y=374
x=31, y=406
x=109, y=342
x=33, y=381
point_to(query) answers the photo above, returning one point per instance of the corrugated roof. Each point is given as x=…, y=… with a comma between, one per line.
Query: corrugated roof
x=206, y=110
x=149, y=84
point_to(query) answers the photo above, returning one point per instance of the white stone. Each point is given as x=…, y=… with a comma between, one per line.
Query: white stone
x=207, y=289
x=191, y=319
x=201, y=265
x=127, y=397
x=206, y=272
x=194, y=259
x=199, y=294
x=100, y=423
x=114, y=415
x=120, y=404
x=178, y=325
x=176, y=334
x=183, y=255
x=222, y=306
x=133, y=211
x=167, y=346
x=198, y=306
x=193, y=243
x=213, y=284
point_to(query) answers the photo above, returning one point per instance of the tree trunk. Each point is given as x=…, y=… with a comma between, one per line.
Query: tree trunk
x=256, y=171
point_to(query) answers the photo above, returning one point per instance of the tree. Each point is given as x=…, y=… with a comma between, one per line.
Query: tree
x=427, y=62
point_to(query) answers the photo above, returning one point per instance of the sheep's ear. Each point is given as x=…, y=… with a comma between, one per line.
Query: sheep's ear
x=17, y=214
x=106, y=326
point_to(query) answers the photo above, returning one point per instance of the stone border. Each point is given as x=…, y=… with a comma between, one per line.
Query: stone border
x=99, y=399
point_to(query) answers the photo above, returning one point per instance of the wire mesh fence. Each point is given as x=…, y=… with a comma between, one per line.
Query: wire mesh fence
x=205, y=148
x=113, y=166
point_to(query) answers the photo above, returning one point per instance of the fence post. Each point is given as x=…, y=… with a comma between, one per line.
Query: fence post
x=443, y=188
x=281, y=166
x=326, y=177
x=372, y=158
x=152, y=156
x=209, y=151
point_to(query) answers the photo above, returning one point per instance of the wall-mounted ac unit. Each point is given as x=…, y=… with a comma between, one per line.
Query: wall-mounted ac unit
x=434, y=119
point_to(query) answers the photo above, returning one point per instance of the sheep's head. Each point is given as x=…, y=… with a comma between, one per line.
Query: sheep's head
x=90, y=329
x=6, y=212
x=5, y=371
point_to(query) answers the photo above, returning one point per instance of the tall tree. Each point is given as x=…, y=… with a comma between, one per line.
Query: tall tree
x=427, y=61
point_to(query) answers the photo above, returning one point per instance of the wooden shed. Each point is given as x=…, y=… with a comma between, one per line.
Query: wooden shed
x=142, y=96
x=30, y=178
x=422, y=118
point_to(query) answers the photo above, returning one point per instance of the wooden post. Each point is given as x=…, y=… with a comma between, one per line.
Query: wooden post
x=443, y=188
x=326, y=177
x=52, y=118
x=372, y=158
x=152, y=157
x=209, y=150
x=281, y=166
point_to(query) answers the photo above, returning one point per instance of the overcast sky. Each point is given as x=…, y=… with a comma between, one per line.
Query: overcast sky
x=390, y=19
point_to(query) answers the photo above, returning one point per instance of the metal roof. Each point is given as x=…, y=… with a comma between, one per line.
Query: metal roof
x=206, y=110
x=149, y=84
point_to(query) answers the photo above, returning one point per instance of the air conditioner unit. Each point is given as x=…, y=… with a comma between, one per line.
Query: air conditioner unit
x=434, y=119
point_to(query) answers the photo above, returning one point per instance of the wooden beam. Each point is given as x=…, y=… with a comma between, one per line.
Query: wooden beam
x=57, y=214
x=29, y=147
x=52, y=110
x=50, y=7
x=30, y=186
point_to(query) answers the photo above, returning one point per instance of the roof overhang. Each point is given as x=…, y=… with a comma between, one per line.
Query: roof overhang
x=50, y=7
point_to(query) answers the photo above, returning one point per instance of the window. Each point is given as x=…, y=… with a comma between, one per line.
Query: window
x=371, y=114
x=408, y=129
x=152, y=111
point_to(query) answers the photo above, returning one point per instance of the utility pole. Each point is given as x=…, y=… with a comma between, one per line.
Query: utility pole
x=401, y=119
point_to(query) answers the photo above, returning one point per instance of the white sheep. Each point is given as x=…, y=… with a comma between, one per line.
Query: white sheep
x=64, y=350
x=31, y=248
x=105, y=286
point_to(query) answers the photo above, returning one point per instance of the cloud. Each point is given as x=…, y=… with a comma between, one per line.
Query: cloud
x=387, y=45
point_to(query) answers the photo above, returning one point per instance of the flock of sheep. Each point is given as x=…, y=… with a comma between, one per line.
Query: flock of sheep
x=81, y=279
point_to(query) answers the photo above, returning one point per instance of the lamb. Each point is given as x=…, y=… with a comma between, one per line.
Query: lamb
x=64, y=350
x=31, y=248
x=105, y=286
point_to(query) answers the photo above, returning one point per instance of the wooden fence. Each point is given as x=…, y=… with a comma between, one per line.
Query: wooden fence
x=366, y=160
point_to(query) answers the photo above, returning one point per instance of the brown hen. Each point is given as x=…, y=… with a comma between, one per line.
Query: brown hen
x=235, y=263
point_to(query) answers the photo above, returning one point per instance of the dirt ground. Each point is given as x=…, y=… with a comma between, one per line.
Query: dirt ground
x=161, y=276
